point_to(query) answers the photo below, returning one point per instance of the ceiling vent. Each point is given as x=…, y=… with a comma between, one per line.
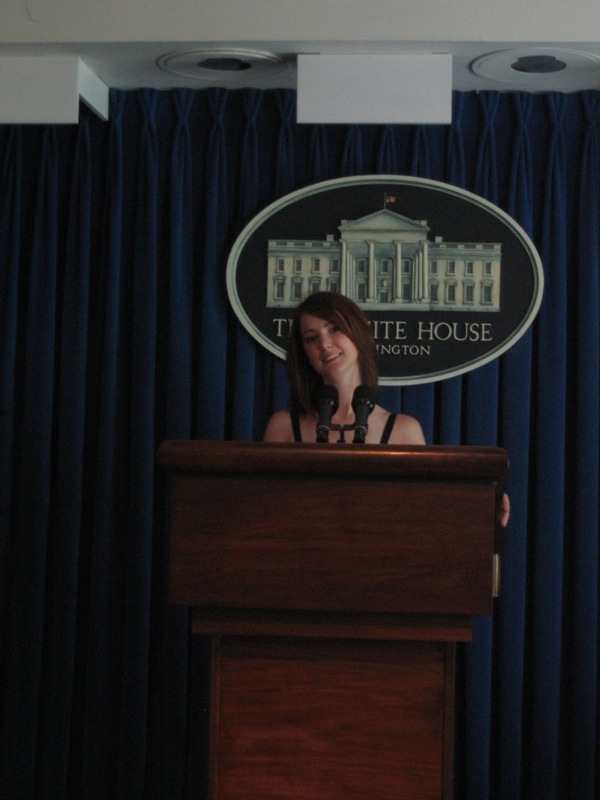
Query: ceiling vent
x=541, y=69
x=229, y=66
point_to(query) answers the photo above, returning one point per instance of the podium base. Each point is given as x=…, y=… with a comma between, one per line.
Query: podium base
x=314, y=719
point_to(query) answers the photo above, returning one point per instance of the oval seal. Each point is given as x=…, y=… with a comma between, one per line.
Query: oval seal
x=448, y=280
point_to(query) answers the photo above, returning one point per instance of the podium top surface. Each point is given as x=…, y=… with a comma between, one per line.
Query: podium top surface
x=418, y=462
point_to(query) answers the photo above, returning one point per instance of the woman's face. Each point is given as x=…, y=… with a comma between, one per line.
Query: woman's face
x=330, y=352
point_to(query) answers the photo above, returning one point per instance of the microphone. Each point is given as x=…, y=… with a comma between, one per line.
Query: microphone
x=363, y=402
x=327, y=404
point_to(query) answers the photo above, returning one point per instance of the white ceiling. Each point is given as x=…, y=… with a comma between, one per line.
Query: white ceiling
x=124, y=41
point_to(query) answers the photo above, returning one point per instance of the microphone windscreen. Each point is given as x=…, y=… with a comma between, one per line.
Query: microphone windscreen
x=328, y=394
x=364, y=394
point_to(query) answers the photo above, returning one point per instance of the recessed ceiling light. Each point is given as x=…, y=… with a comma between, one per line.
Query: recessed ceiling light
x=541, y=69
x=226, y=65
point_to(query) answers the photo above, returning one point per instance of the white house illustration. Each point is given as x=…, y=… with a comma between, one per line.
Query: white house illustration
x=385, y=260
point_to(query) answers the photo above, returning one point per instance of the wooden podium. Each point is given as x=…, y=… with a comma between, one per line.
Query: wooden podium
x=335, y=581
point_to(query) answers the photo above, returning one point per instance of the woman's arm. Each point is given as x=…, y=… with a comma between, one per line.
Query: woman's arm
x=279, y=428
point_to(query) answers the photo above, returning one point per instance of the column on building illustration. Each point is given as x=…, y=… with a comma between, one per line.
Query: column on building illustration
x=417, y=275
x=424, y=296
x=371, y=273
x=410, y=294
x=397, y=287
x=344, y=268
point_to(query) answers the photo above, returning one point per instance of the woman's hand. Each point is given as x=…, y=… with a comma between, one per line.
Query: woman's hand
x=504, y=515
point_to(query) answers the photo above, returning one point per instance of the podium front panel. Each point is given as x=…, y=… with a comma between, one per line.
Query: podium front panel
x=332, y=529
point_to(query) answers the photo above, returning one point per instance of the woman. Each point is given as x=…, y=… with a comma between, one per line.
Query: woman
x=331, y=344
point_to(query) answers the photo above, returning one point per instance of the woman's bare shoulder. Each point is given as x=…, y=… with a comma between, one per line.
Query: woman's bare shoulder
x=279, y=427
x=406, y=430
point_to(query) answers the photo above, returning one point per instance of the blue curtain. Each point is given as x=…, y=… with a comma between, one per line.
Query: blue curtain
x=116, y=333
